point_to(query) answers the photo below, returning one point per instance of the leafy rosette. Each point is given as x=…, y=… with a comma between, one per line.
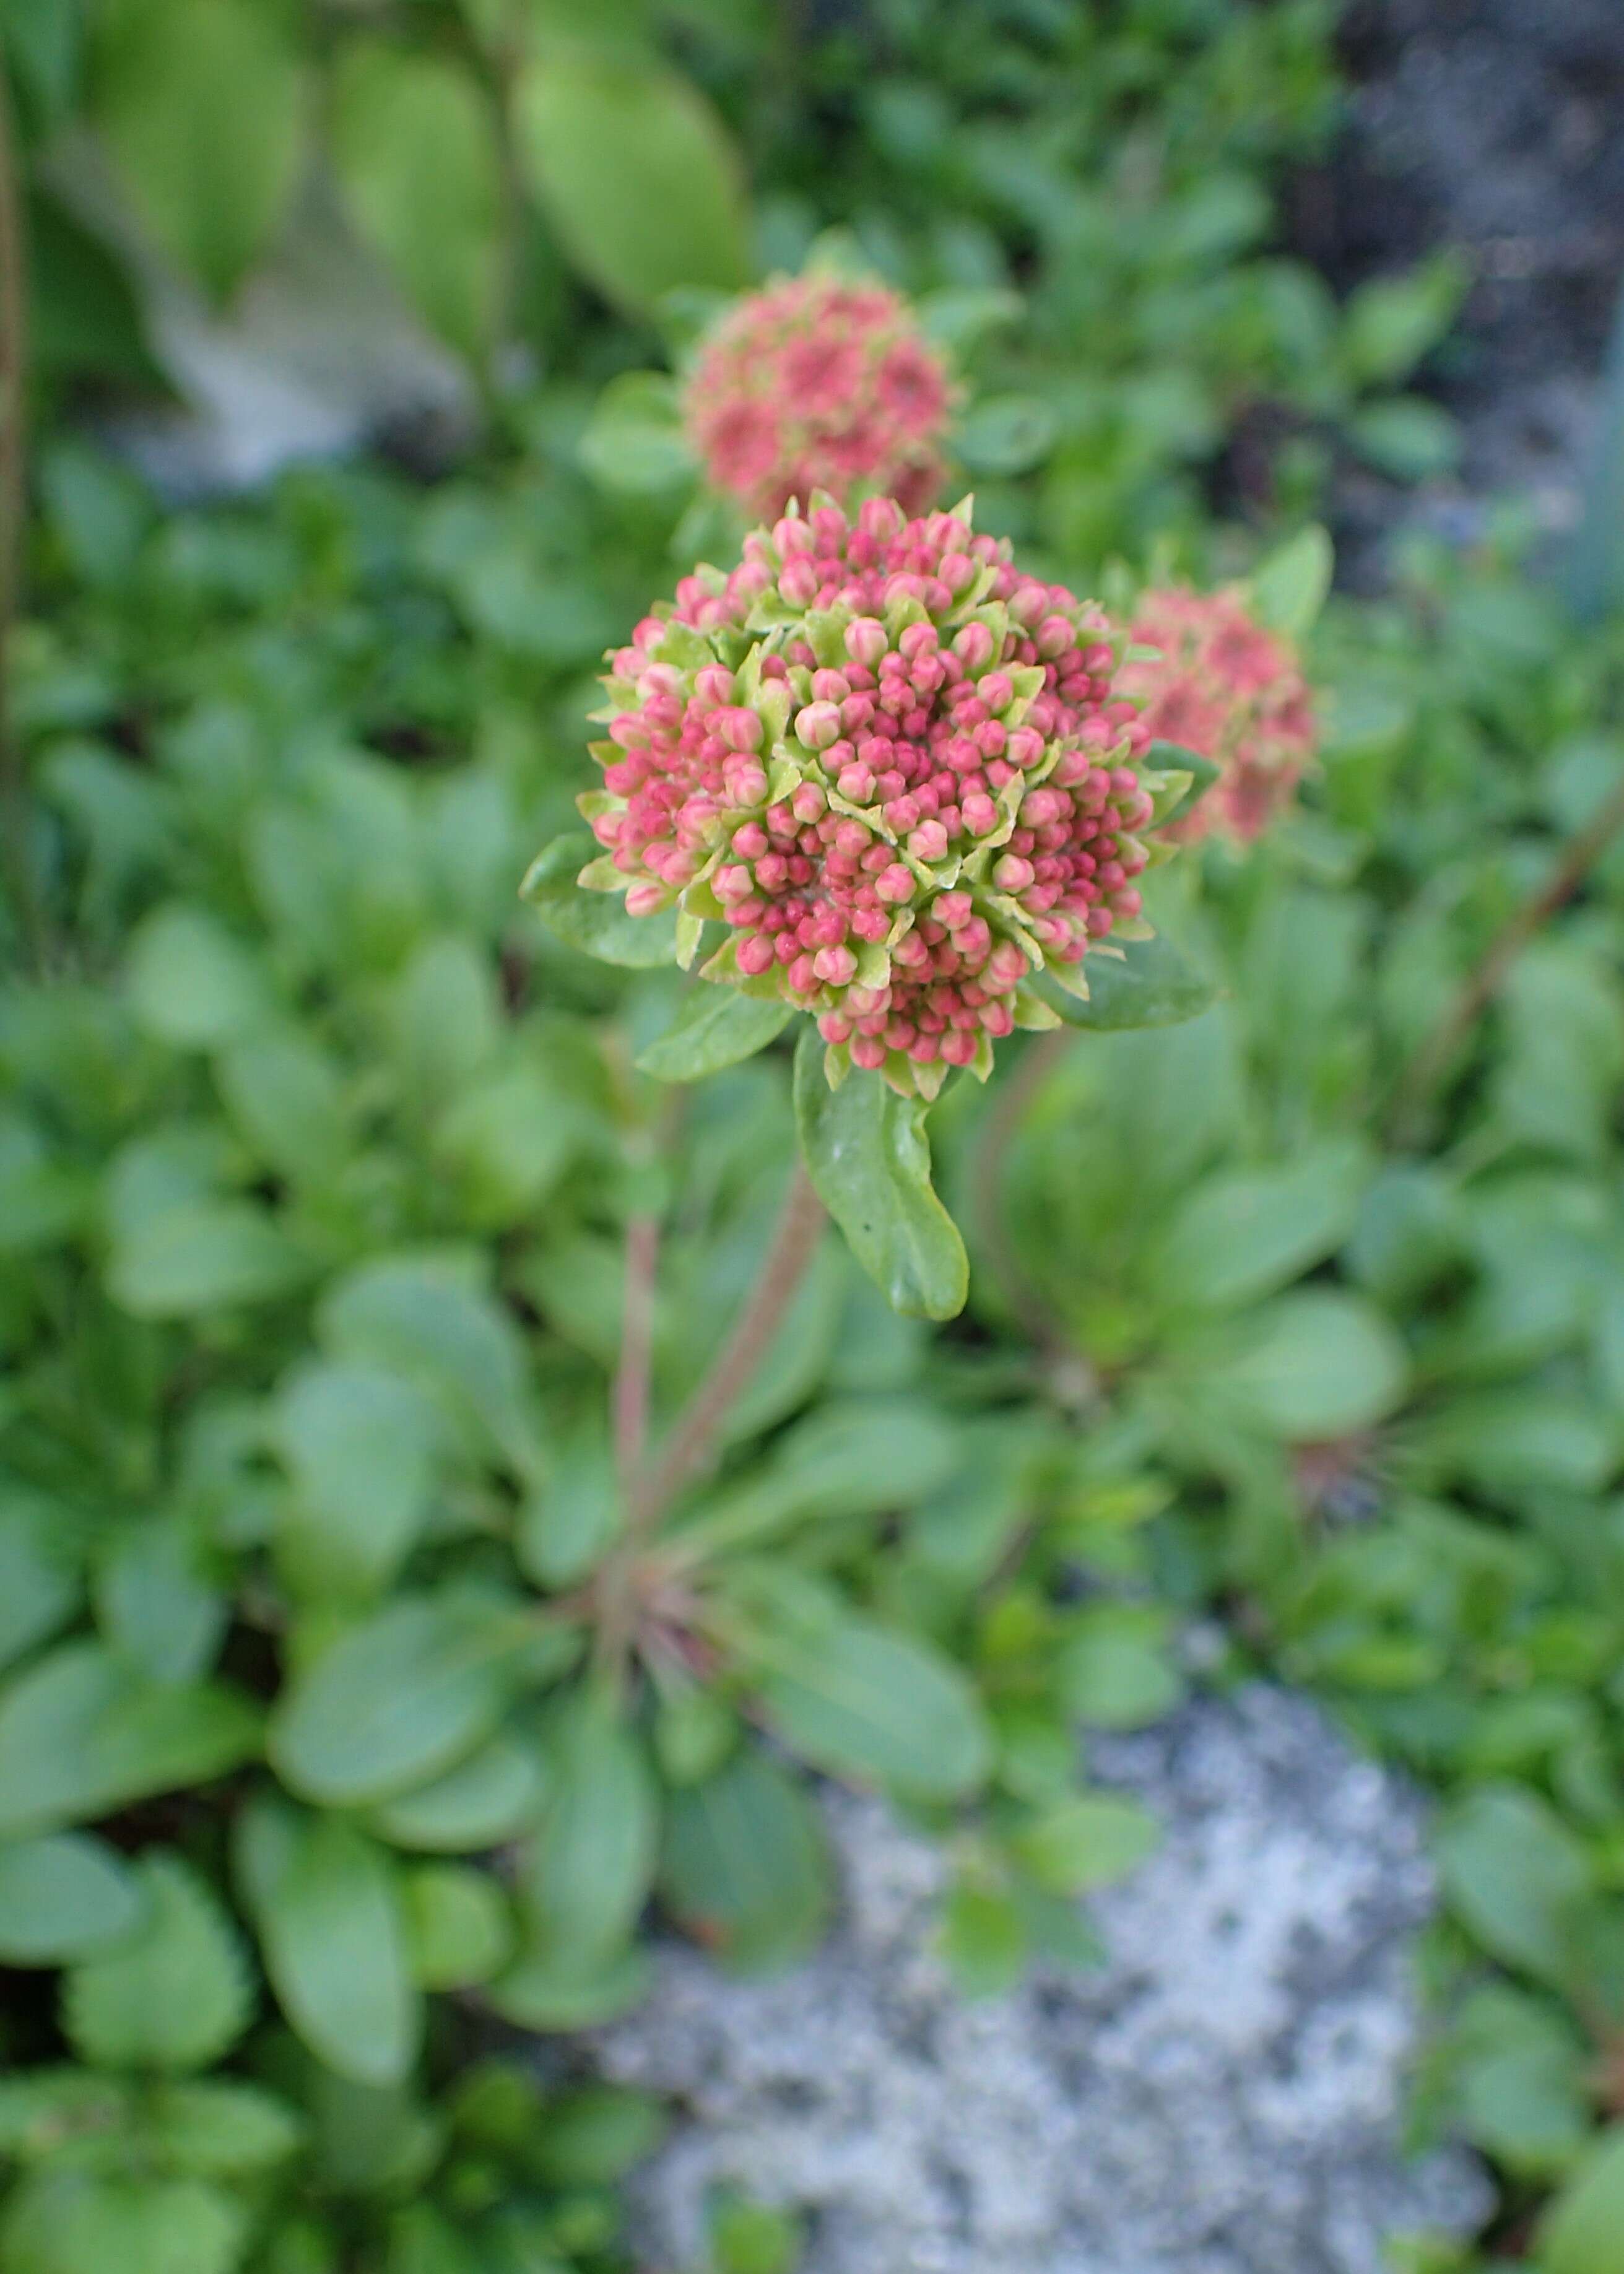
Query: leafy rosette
x=896, y=777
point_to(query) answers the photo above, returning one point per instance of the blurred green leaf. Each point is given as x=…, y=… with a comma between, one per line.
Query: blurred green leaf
x=61, y=1896
x=176, y=1995
x=743, y=1868
x=634, y=171
x=202, y=107
x=414, y=146
x=714, y=1028
x=855, y=1699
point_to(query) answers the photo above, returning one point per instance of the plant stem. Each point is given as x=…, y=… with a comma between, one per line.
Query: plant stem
x=1437, y=1049
x=636, y=1369
x=14, y=819
x=692, y=1442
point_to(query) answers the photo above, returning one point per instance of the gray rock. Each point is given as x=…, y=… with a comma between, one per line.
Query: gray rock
x=1223, y=2097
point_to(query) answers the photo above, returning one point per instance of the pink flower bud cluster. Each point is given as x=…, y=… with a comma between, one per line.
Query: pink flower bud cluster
x=1231, y=691
x=819, y=384
x=896, y=768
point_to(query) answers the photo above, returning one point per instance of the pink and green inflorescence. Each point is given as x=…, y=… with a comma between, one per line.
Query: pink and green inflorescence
x=1231, y=690
x=898, y=771
x=820, y=383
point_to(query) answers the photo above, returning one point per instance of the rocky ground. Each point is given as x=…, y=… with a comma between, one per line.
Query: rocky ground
x=1491, y=127
x=1222, y=2096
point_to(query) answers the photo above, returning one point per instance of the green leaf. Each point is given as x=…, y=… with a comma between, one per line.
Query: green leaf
x=1006, y=434
x=327, y=1901
x=176, y=1995
x=744, y=1869
x=154, y=1605
x=1516, y=1876
x=1288, y=589
x=588, y=1866
x=716, y=1027
x=427, y=1318
x=1309, y=1367
x=489, y=1798
x=218, y=2127
x=596, y=923
x=752, y=2238
x=1407, y=438
x=283, y=1094
x=398, y=1700
x=80, y=1736
x=983, y=1941
x=868, y=1158
x=1085, y=1842
x=634, y=171
x=1115, y=1671
x=593, y=2136
x=1391, y=321
x=39, y=1586
x=1582, y=2232
x=359, y=1445
x=413, y=147
x=857, y=1700
x=1244, y=1232
x=62, y=1896
x=635, y=444
x=1151, y=982
x=64, y=2221
x=190, y=983
x=201, y=106
x=458, y=1925
x=571, y=1517
x=204, y=1255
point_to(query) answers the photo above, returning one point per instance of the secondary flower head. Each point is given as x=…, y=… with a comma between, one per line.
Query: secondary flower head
x=819, y=383
x=897, y=769
x=1230, y=690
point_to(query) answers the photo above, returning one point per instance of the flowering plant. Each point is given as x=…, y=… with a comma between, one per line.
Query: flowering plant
x=899, y=780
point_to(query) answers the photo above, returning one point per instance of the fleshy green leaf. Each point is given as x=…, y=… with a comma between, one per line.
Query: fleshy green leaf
x=414, y=146
x=869, y=1160
x=1288, y=591
x=458, y=1925
x=327, y=1901
x=398, y=1700
x=176, y=1995
x=201, y=104
x=62, y=1896
x=716, y=1027
x=596, y=923
x=1310, y=1366
x=635, y=172
x=359, y=1444
x=218, y=2127
x=39, y=1586
x=1243, y=1232
x=64, y=2221
x=1517, y=1877
x=858, y=1700
x=1580, y=2232
x=493, y=1795
x=1084, y=1843
x=80, y=1736
x=1150, y=982
x=635, y=442
x=744, y=1867
x=1006, y=434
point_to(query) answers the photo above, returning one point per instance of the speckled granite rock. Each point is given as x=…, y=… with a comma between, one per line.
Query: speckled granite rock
x=1224, y=2098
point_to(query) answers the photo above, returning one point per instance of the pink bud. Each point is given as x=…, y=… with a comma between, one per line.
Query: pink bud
x=981, y=815
x=973, y=647
x=895, y=884
x=836, y=967
x=644, y=900
x=807, y=802
x=1012, y=874
x=739, y=728
x=928, y=841
x=959, y=1049
x=869, y=1053
x=866, y=642
x=754, y=954
x=818, y=725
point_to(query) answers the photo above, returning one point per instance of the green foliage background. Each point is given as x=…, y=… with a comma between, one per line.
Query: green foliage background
x=317, y=1153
